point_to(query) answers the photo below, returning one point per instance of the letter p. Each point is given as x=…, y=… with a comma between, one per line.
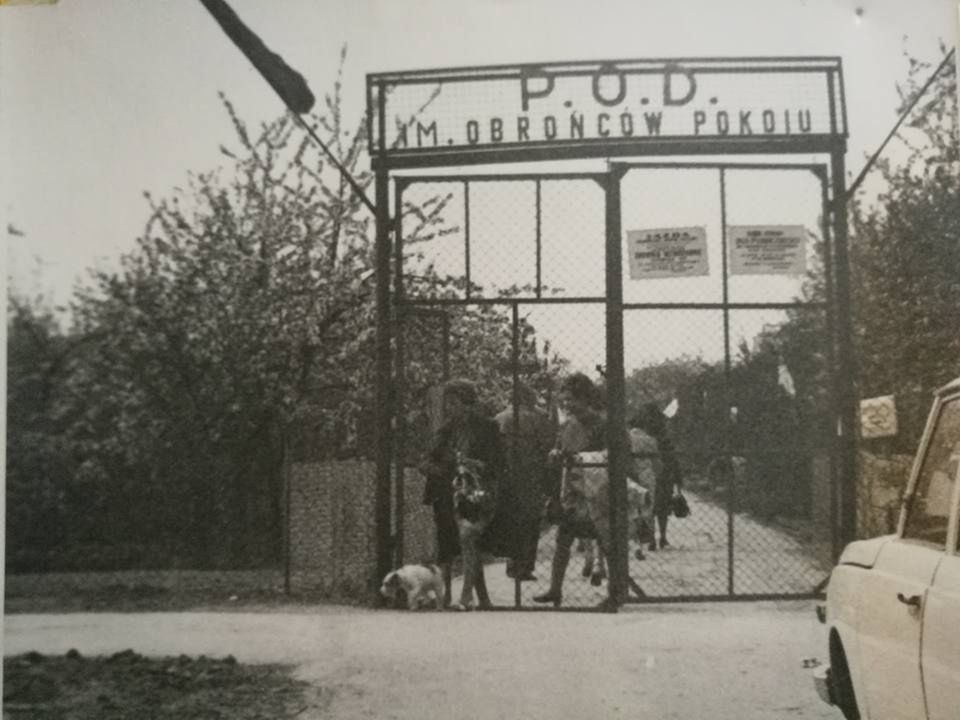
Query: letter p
x=526, y=92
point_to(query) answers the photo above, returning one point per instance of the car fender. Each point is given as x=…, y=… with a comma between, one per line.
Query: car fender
x=864, y=553
x=844, y=594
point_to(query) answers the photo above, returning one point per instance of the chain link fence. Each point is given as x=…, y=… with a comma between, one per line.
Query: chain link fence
x=502, y=281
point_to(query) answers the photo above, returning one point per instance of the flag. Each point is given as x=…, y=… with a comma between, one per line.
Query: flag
x=287, y=82
x=671, y=409
x=785, y=380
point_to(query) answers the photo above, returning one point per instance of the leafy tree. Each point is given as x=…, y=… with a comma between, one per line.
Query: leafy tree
x=39, y=463
x=239, y=332
x=905, y=256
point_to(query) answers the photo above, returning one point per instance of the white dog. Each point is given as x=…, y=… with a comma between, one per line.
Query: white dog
x=418, y=582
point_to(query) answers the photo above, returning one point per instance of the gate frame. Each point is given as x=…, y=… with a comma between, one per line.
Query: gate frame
x=384, y=162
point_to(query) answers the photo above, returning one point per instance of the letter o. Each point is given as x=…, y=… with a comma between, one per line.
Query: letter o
x=473, y=132
x=609, y=71
x=723, y=123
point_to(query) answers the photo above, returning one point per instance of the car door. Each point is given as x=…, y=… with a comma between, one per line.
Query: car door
x=889, y=629
x=940, y=644
x=896, y=588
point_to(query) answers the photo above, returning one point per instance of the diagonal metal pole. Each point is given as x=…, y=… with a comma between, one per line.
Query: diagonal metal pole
x=285, y=81
x=903, y=116
x=354, y=185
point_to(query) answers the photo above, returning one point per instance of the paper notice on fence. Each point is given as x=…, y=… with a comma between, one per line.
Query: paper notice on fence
x=767, y=249
x=667, y=252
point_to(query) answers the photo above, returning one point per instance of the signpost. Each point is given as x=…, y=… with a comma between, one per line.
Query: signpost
x=453, y=116
x=878, y=417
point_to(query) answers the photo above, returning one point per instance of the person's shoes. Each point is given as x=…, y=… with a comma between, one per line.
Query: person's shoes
x=652, y=547
x=638, y=554
x=549, y=597
x=596, y=580
x=462, y=607
x=607, y=605
x=664, y=543
x=587, y=570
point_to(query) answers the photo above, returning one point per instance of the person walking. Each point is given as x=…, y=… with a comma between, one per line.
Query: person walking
x=669, y=478
x=584, y=429
x=464, y=468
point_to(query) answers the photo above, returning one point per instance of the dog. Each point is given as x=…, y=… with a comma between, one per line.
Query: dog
x=417, y=582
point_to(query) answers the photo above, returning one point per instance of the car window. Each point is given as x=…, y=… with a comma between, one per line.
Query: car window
x=929, y=511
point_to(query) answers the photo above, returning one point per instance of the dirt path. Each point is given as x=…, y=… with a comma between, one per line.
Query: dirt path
x=716, y=661
x=766, y=560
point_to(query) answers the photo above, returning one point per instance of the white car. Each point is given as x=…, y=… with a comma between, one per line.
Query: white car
x=893, y=602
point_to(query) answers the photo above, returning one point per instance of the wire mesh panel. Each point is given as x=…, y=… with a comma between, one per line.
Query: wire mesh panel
x=503, y=281
x=662, y=199
x=674, y=361
x=753, y=440
x=780, y=451
x=765, y=267
x=574, y=340
x=503, y=238
x=573, y=231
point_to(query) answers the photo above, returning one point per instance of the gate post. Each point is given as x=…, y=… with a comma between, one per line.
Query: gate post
x=400, y=376
x=846, y=368
x=383, y=434
x=616, y=410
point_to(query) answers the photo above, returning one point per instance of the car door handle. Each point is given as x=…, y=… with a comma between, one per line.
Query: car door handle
x=912, y=600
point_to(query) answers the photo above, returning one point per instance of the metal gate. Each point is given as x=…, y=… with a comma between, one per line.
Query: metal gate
x=516, y=280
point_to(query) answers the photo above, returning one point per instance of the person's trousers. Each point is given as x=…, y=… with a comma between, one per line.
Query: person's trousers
x=528, y=537
x=561, y=557
x=473, y=578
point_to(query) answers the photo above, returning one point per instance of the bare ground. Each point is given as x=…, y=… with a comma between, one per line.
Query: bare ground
x=129, y=685
x=716, y=661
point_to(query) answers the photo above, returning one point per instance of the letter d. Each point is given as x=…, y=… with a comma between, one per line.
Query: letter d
x=668, y=73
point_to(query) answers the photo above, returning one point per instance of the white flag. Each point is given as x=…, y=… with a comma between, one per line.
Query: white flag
x=785, y=380
x=671, y=409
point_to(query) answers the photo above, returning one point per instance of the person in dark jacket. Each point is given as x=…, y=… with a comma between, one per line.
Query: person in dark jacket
x=528, y=436
x=463, y=471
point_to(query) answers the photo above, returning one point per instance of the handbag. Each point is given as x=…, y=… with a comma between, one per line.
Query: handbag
x=679, y=506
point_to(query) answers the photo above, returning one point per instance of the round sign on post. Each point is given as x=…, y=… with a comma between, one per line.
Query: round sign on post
x=878, y=417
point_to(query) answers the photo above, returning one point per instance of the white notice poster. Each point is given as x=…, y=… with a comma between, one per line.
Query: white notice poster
x=667, y=252
x=767, y=249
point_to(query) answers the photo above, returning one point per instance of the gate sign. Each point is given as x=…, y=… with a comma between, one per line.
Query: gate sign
x=767, y=249
x=667, y=252
x=597, y=109
x=878, y=417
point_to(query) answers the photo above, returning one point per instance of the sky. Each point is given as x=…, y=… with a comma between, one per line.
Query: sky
x=101, y=100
